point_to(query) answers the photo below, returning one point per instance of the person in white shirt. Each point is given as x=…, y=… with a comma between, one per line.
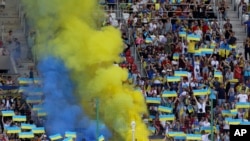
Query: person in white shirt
x=215, y=63
x=242, y=97
x=204, y=136
x=201, y=104
x=206, y=123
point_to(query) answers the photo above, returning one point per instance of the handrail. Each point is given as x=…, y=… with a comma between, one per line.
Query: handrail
x=132, y=43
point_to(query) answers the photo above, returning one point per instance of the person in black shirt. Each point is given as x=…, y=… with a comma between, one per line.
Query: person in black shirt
x=221, y=95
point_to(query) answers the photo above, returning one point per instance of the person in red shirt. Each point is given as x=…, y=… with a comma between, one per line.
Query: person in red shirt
x=237, y=72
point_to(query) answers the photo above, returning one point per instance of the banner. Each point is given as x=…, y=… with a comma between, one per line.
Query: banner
x=165, y=109
x=9, y=113
x=243, y=105
x=19, y=118
x=27, y=135
x=153, y=100
x=181, y=73
x=173, y=78
x=70, y=134
x=169, y=94
x=55, y=137
x=167, y=117
x=38, y=130
x=193, y=137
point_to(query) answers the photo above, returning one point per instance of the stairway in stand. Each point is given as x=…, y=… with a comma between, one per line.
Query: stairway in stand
x=9, y=17
x=238, y=28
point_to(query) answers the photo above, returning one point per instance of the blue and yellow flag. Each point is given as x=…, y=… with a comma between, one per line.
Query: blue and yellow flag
x=218, y=74
x=193, y=37
x=26, y=135
x=153, y=100
x=193, y=137
x=176, y=56
x=38, y=130
x=176, y=134
x=226, y=113
x=173, y=78
x=55, y=137
x=205, y=51
x=242, y=105
x=8, y=113
x=181, y=73
x=167, y=117
x=201, y=92
x=183, y=34
x=19, y=118
x=165, y=109
x=169, y=93
x=27, y=126
x=70, y=134
x=13, y=130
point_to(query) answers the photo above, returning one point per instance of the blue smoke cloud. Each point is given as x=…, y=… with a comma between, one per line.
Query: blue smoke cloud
x=63, y=112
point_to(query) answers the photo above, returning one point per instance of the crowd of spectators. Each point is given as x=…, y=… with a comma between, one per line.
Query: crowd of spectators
x=156, y=28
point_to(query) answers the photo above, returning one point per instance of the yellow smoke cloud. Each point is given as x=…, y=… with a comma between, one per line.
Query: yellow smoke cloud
x=69, y=30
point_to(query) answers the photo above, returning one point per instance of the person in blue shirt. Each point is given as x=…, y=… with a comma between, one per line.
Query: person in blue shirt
x=247, y=23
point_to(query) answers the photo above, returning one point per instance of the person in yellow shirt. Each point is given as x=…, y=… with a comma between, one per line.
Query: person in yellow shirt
x=191, y=46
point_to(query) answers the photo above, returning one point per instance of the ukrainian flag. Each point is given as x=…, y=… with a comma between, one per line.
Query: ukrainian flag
x=242, y=105
x=19, y=118
x=183, y=34
x=34, y=99
x=176, y=134
x=234, y=121
x=197, y=52
x=167, y=117
x=165, y=109
x=193, y=137
x=193, y=37
x=68, y=139
x=180, y=73
x=208, y=129
x=24, y=81
x=101, y=138
x=176, y=56
x=180, y=137
x=226, y=113
x=169, y=94
x=70, y=134
x=27, y=126
x=8, y=113
x=201, y=92
x=13, y=130
x=55, y=137
x=234, y=112
x=38, y=130
x=26, y=135
x=173, y=78
x=149, y=40
x=218, y=74
x=153, y=100
x=205, y=51
x=244, y=123
x=41, y=113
